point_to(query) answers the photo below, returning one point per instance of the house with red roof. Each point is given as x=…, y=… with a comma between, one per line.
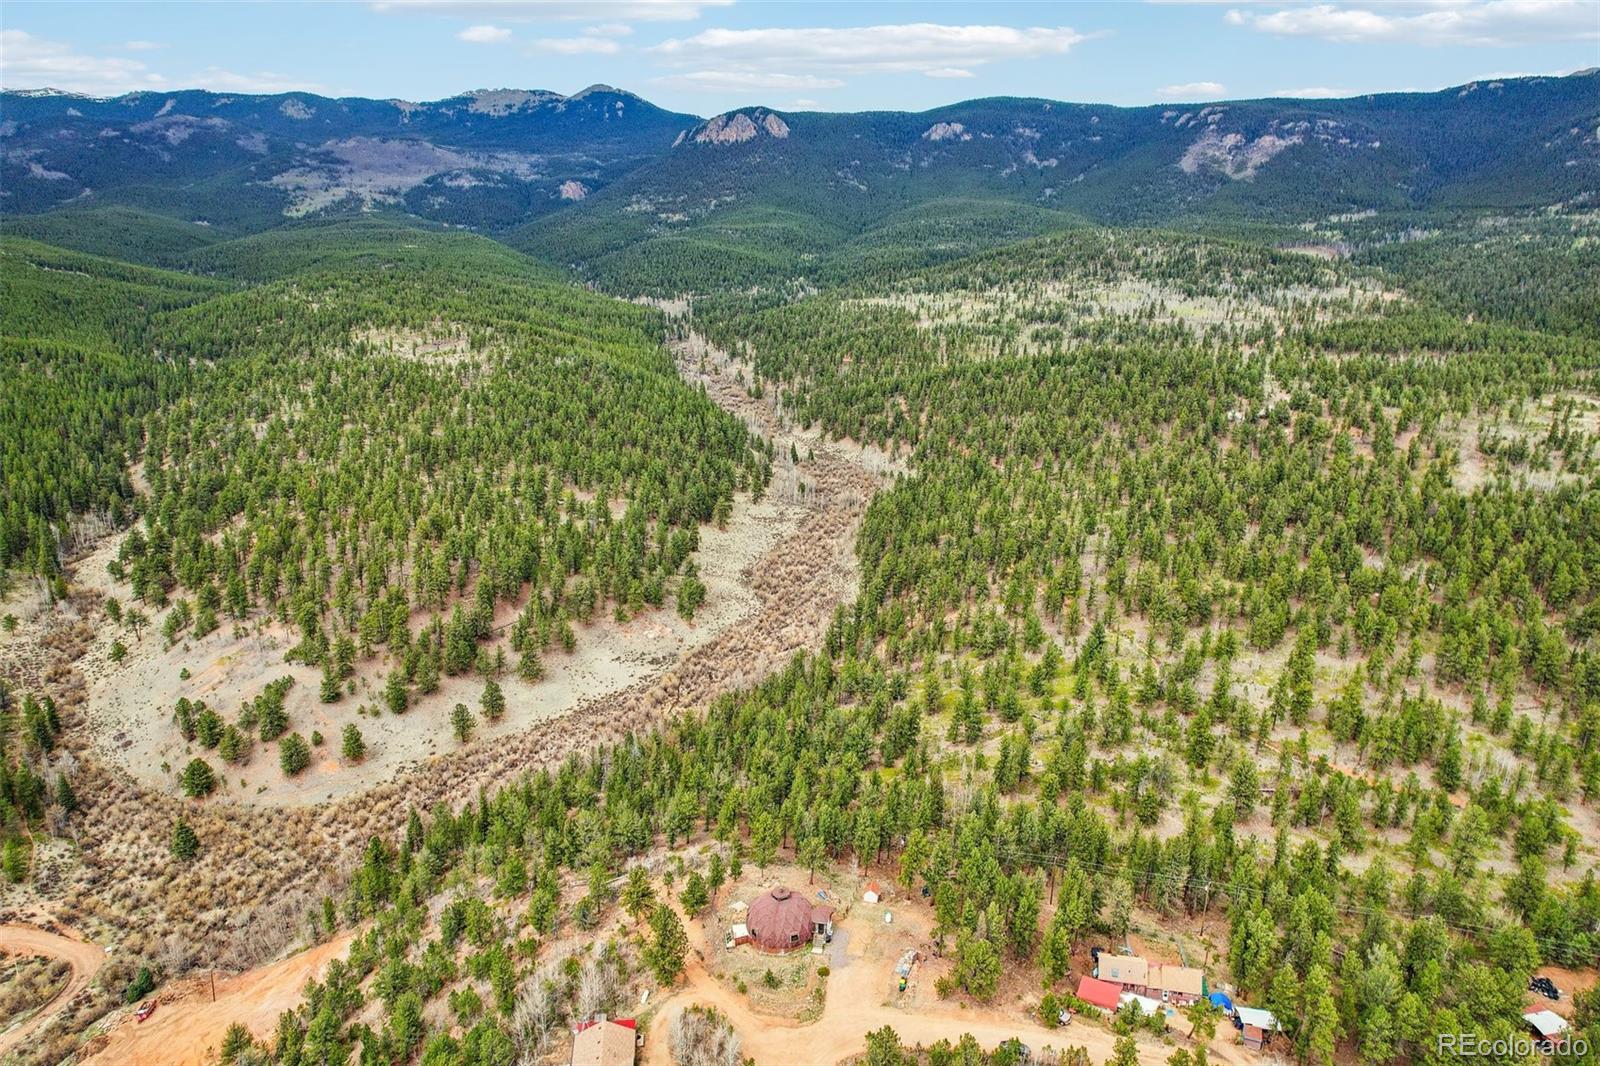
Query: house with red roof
x=1098, y=993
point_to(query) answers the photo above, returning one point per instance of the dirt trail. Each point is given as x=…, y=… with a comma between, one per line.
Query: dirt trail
x=85, y=960
x=187, y=1027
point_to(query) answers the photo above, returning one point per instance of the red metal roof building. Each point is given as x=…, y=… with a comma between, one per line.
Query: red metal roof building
x=1098, y=993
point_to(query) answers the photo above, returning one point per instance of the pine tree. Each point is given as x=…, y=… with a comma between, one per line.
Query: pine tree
x=352, y=747
x=494, y=701
x=668, y=946
x=637, y=894
x=695, y=895
x=395, y=694
x=232, y=746
x=461, y=722
x=330, y=689
x=66, y=798
x=185, y=843
x=198, y=779
x=294, y=754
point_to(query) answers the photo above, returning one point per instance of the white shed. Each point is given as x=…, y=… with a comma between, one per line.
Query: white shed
x=1264, y=1020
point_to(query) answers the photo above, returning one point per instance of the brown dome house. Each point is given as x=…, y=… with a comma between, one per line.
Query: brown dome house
x=781, y=921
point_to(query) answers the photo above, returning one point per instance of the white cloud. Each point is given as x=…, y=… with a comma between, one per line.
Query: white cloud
x=1314, y=92
x=1322, y=92
x=911, y=48
x=143, y=46
x=609, y=29
x=804, y=104
x=1503, y=75
x=948, y=72
x=1192, y=90
x=484, y=34
x=263, y=81
x=525, y=10
x=29, y=62
x=1470, y=22
x=733, y=80
x=576, y=46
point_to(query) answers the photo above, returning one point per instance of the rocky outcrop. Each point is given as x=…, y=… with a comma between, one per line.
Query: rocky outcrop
x=946, y=131
x=573, y=190
x=726, y=129
x=736, y=127
x=1233, y=154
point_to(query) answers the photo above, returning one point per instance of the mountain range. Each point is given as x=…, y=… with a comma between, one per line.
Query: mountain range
x=608, y=183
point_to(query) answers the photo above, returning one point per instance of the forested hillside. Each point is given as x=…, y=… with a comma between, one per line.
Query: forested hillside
x=242, y=163
x=77, y=376
x=757, y=196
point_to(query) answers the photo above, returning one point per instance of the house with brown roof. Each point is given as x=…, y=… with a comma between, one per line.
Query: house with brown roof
x=1167, y=982
x=1179, y=985
x=780, y=921
x=604, y=1043
x=1129, y=971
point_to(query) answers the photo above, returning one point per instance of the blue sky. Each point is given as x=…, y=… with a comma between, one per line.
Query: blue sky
x=706, y=56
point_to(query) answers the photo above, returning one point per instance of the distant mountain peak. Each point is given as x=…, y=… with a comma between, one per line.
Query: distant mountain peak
x=736, y=127
x=47, y=92
x=602, y=87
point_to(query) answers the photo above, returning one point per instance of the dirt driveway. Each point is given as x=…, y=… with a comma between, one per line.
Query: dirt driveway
x=187, y=1027
x=84, y=958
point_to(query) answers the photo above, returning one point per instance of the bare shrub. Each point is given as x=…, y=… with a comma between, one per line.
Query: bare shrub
x=538, y=1012
x=702, y=1037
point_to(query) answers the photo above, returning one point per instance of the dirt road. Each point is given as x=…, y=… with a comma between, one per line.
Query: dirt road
x=84, y=958
x=856, y=1006
x=187, y=1027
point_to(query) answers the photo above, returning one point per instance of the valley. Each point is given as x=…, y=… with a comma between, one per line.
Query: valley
x=476, y=571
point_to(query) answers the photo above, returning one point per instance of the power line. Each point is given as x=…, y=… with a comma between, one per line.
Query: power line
x=1221, y=889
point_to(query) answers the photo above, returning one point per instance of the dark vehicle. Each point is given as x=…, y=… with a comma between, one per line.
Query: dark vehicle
x=1544, y=987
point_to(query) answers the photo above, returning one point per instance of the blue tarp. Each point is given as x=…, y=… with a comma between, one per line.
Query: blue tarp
x=1220, y=999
